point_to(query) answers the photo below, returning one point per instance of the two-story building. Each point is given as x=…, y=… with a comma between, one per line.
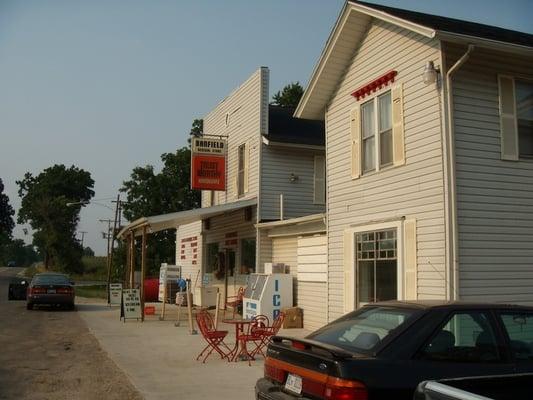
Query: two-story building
x=272, y=209
x=429, y=153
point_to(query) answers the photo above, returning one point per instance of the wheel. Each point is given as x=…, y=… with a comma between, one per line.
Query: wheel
x=10, y=296
x=71, y=307
x=29, y=306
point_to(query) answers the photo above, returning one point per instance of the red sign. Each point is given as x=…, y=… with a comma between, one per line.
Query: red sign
x=208, y=172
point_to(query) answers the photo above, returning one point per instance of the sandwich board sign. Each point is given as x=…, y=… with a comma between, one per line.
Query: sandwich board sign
x=115, y=294
x=131, y=304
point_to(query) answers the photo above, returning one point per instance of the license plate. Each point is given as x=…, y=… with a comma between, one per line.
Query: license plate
x=294, y=383
x=51, y=291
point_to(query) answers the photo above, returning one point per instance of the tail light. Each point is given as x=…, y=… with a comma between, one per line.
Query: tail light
x=37, y=290
x=273, y=371
x=342, y=389
x=65, y=290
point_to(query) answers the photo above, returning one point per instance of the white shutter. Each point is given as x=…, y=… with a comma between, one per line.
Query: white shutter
x=410, y=267
x=319, y=196
x=508, y=125
x=246, y=166
x=349, y=273
x=236, y=184
x=355, y=135
x=207, y=196
x=398, y=141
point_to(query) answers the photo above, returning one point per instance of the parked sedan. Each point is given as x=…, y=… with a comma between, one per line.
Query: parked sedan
x=17, y=289
x=383, y=350
x=52, y=289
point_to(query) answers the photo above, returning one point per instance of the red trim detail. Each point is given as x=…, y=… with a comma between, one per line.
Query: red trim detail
x=374, y=85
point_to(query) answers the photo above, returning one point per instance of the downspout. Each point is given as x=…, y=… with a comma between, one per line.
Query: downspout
x=453, y=272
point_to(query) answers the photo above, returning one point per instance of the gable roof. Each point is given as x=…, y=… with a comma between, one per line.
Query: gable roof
x=284, y=128
x=352, y=24
x=457, y=26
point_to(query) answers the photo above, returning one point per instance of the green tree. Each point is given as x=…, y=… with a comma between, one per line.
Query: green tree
x=21, y=253
x=150, y=193
x=44, y=207
x=6, y=217
x=88, y=252
x=289, y=96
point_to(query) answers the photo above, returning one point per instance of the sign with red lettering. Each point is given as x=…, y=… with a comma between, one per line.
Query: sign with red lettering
x=208, y=164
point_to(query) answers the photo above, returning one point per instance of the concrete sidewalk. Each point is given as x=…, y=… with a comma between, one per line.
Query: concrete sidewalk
x=160, y=359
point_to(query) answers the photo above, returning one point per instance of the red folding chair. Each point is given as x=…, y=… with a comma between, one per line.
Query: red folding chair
x=214, y=338
x=272, y=330
x=253, y=335
x=234, y=301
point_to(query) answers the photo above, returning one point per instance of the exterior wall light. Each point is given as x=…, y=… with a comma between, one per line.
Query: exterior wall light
x=430, y=73
x=293, y=178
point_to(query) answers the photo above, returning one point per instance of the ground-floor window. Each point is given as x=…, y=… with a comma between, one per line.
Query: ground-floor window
x=211, y=263
x=247, y=256
x=377, y=266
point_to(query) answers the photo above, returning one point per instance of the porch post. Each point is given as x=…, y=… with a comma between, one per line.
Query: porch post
x=143, y=270
x=132, y=260
x=127, y=264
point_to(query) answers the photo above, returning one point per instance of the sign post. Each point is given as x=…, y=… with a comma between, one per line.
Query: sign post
x=208, y=164
x=131, y=304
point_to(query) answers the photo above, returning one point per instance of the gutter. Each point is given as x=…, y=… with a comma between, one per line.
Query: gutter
x=453, y=269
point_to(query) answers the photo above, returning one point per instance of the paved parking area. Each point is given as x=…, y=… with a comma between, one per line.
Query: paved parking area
x=160, y=358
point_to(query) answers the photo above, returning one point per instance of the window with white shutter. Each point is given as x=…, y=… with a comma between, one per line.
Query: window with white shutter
x=319, y=196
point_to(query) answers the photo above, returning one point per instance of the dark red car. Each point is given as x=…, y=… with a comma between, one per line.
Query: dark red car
x=52, y=289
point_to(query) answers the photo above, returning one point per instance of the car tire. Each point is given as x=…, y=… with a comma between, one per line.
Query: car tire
x=29, y=306
x=10, y=296
x=71, y=307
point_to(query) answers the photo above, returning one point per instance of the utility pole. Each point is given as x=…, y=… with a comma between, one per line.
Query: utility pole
x=82, y=237
x=108, y=237
x=114, y=234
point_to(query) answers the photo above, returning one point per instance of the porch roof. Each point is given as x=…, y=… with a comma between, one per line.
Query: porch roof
x=161, y=222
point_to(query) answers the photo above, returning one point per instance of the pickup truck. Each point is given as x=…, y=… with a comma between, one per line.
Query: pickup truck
x=501, y=387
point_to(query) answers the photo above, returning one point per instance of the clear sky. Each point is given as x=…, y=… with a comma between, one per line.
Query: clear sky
x=108, y=85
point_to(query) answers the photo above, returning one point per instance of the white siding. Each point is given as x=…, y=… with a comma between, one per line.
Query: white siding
x=277, y=166
x=494, y=197
x=312, y=259
x=245, y=108
x=414, y=190
x=311, y=297
x=189, y=249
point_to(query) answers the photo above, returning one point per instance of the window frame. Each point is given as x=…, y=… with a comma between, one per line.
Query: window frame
x=378, y=166
x=505, y=334
x=495, y=323
x=316, y=187
x=400, y=248
x=241, y=173
x=529, y=81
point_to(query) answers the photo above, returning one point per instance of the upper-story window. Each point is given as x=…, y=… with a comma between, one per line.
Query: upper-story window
x=242, y=173
x=516, y=118
x=524, y=117
x=376, y=132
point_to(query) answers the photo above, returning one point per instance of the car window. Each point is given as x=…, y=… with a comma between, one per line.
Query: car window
x=363, y=330
x=519, y=327
x=51, y=280
x=465, y=337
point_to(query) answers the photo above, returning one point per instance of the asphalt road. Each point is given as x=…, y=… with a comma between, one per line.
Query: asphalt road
x=50, y=354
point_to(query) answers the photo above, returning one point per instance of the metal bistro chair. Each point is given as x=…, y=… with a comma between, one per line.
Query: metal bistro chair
x=254, y=335
x=271, y=331
x=214, y=338
x=234, y=301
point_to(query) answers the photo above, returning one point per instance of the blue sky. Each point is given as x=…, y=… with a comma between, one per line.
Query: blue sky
x=108, y=85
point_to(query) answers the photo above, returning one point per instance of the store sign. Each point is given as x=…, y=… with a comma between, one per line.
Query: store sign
x=115, y=293
x=208, y=164
x=131, y=304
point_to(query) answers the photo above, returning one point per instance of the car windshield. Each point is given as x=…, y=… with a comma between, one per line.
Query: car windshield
x=51, y=280
x=363, y=330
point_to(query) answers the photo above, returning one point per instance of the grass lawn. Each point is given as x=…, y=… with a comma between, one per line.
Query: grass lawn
x=96, y=291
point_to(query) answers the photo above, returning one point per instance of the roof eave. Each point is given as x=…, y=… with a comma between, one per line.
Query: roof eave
x=273, y=143
x=485, y=43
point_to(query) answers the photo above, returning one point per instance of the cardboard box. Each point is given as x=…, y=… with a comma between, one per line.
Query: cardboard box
x=294, y=317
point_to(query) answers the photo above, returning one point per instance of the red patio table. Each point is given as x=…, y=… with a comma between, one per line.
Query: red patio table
x=240, y=346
